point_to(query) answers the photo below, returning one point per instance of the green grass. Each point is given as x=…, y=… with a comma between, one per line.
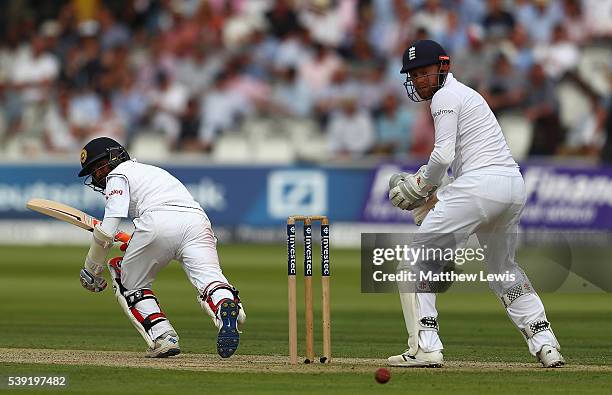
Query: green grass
x=42, y=305
x=103, y=380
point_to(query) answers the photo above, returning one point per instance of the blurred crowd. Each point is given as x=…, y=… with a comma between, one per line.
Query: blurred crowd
x=194, y=71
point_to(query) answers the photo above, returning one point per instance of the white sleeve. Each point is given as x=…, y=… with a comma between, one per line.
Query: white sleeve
x=117, y=194
x=445, y=112
x=110, y=225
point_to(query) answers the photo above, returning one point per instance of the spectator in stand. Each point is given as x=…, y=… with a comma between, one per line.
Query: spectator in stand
x=394, y=128
x=222, y=109
x=434, y=18
x=470, y=11
x=542, y=110
x=157, y=60
x=574, y=22
x=282, y=19
x=317, y=72
x=357, y=50
x=10, y=100
x=328, y=99
x=423, y=133
x=504, y=91
x=261, y=49
x=85, y=109
x=168, y=101
x=291, y=96
x=89, y=52
x=190, y=124
x=392, y=29
x=85, y=65
x=33, y=74
x=597, y=15
x=109, y=123
x=586, y=134
x=256, y=91
x=538, y=17
x=197, y=68
x=519, y=49
x=474, y=64
x=498, y=23
x=350, y=132
x=293, y=49
x=374, y=88
x=456, y=38
x=559, y=56
x=181, y=33
x=329, y=22
x=131, y=104
x=60, y=135
x=112, y=32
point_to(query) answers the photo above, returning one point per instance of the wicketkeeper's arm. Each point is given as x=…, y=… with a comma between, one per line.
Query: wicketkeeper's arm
x=421, y=212
x=445, y=113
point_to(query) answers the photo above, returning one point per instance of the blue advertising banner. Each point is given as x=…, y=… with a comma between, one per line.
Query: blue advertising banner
x=557, y=197
x=231, y=195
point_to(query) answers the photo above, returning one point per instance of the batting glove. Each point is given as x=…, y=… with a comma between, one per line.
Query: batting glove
x=91, y=282
x=413, y=192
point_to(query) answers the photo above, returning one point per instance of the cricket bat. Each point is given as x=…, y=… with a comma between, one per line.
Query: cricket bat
x=69, y=214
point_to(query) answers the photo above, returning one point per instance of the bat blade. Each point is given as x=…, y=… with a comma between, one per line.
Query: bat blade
x=65, y=213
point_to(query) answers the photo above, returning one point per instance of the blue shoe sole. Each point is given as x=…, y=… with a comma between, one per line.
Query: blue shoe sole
x=228, y=337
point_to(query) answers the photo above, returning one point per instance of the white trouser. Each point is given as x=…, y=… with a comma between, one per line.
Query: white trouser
x=161, y=236
x=489, y=203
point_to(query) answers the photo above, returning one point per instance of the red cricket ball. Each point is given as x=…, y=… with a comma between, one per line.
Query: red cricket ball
x=382, y=375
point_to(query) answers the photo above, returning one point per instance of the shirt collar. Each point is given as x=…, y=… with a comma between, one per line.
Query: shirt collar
x=449, y=79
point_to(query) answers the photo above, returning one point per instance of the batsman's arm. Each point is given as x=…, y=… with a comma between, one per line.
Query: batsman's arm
x=119, y=236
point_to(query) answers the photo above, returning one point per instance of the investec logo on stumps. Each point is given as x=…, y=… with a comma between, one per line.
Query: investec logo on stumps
x=307, y=250
x=325, y=250
x=291, y=249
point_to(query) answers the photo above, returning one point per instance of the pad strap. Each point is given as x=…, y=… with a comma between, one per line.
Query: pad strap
x=206, y=295
x=535, y=327
x=429, y=323
x=152, y=319
x=515, y=292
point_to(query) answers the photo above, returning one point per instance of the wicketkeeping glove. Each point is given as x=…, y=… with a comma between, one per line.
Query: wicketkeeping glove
x=397, y=178
x=413, y=192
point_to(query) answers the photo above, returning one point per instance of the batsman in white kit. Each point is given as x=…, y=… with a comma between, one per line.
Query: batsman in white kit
x=169, y=224
x=485, y=198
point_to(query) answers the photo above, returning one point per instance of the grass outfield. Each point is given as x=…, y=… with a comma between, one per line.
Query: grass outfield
x=43, y=306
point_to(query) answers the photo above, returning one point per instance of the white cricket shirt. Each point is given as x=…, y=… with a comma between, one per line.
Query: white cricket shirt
x=134, y=188
x=468, y=136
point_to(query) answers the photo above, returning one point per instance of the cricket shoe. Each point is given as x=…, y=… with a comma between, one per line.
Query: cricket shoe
x=421, y=359
x=228, y=336
x=165, y=346
x=550, y=357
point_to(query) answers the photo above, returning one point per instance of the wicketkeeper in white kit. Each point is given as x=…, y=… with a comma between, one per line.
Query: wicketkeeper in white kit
x=486, y=198
x=169, y=224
